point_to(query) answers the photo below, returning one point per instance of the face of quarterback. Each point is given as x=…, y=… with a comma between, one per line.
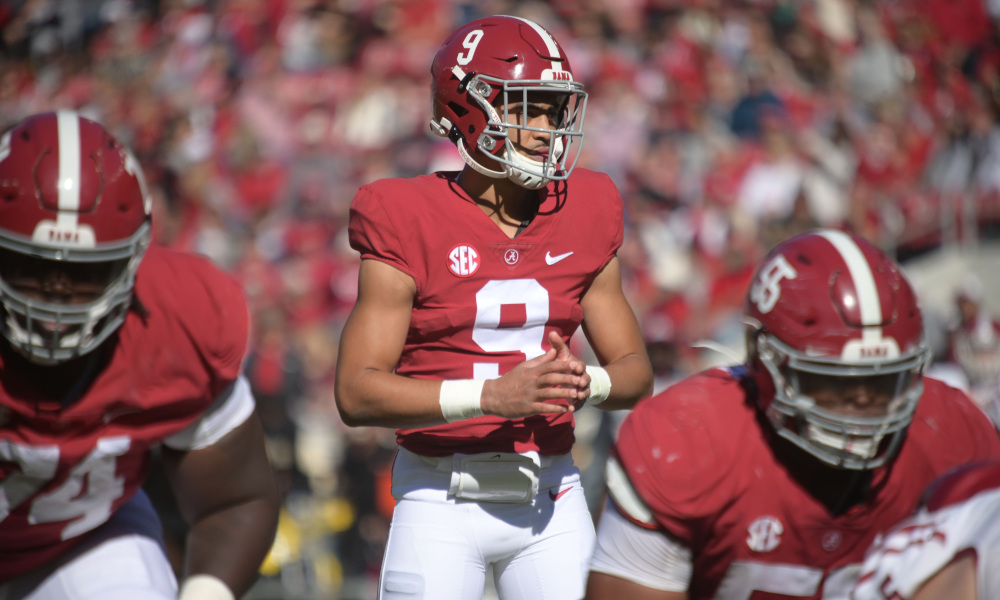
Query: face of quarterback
x=536, y=119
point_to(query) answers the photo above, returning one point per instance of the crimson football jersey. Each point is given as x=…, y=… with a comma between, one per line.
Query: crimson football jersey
x=705, y=464
x=961, y=514
x=486, y=302
x=65, y=470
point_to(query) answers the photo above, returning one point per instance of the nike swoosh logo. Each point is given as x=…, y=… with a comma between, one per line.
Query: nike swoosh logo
x=551, y=260
x=562, y=492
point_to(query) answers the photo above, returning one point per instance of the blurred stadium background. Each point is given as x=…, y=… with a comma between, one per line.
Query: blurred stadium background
x=727, y=125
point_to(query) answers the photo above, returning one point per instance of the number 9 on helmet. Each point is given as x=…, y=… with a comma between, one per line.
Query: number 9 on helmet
x=484, y=74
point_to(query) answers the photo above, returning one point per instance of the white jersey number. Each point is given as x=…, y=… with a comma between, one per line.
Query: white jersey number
x=766, y=291
x=470, y=43
x=491, y=337
x=84, y=499
x=796, y=581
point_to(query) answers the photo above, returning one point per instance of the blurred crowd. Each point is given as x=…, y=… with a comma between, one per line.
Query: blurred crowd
x=728, y=125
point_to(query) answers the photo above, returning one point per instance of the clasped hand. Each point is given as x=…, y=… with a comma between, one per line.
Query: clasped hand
x=531, y=387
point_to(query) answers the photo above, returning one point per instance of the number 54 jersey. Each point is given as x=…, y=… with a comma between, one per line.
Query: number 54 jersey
x=485, y=302
x=747, y=504
x=64, y=470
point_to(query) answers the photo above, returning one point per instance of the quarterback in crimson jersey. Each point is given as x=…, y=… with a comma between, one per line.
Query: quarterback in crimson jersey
x=488, y=301
x=771, y=479
x=471, y=286
x=949, y=549
x=110, y=348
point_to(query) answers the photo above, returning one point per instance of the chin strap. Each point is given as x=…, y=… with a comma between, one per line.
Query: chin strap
x=515, y=172
x=519, y=173
x=475, y=165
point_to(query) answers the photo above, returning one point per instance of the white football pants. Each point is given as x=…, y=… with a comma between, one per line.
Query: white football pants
x=440, y=548
x=123, y=559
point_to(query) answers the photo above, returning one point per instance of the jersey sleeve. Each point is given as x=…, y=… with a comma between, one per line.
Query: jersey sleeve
x=220, y=326
x=676, y=458
x=230, y=410
x=970, y=433
x=617, y=219
x=612, y=215
x=199, y=317
x=372, y=230
x=653, y=559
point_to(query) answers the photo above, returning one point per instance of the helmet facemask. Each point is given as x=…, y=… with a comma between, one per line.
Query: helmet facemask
x=854, y=442
x=495, y=97
x=50, y=333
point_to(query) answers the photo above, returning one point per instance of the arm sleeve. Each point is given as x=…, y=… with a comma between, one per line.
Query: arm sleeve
x=229, y=410
x=653, y=559
x=372, y=230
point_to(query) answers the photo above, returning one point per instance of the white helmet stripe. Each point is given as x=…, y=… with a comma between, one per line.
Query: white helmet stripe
x=69, y=169
x=861, y=275
x=550, y=43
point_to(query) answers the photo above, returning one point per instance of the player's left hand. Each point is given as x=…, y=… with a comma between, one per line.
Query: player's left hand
x=577, y=396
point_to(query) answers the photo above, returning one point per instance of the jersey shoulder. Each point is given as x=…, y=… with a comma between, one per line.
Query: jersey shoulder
x=595, y=202
x=386, y=214
x=192, y=304
x=962, y=483
x=948, y=426
x=678, y=446
x=595, y=181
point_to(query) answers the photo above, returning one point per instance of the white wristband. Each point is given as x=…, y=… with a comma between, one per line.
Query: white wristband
x=461, y=399
x=204, y=587
x=600, y=385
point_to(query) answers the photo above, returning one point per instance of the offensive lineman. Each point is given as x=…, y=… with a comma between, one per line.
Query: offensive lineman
x=773, y=477
x=949, y=549
x=109, y=347
x=471, y=285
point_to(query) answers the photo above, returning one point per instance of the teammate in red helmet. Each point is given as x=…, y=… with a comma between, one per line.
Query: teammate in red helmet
x=772, y=478
x=110, y=347
x=471, y=285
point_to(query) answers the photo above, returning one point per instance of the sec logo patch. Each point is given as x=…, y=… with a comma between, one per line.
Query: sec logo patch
x=463, y=260
x=764, y=534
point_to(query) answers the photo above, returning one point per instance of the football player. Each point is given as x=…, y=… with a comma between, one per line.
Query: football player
x=111, y=346
x=471, y=285
x=949, y=549
x=773, y=477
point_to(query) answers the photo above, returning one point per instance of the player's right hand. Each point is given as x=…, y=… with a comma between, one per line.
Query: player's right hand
x=531, y=387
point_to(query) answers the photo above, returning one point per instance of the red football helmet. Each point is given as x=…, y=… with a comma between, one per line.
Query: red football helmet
x=485, y=67
x=71, y=194
x=828, y=306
